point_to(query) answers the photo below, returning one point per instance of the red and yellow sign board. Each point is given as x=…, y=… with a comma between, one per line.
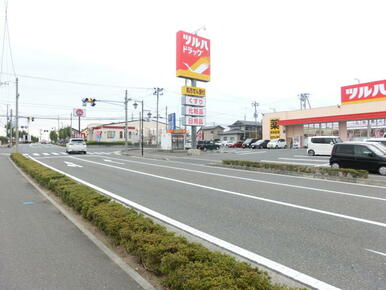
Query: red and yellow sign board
x=193, y=91
x=366, y=92
x=177, y=131
x=193, y=56
x=274, y=129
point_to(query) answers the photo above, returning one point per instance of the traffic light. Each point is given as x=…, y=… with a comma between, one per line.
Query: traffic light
x=88, y=100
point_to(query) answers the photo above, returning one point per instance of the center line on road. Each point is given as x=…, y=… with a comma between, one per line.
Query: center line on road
x=380, y=224
x=289, y=272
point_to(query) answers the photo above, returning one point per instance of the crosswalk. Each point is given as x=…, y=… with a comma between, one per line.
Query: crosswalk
x=46, y=154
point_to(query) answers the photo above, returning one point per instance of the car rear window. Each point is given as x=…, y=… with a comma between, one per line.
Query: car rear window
x=77, y=141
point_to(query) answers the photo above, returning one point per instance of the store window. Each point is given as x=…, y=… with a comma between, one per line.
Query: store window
x=110, y=134
x=120, y=134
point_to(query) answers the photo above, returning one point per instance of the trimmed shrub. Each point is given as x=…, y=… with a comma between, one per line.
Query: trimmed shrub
x=322, y=171
x=179, y=263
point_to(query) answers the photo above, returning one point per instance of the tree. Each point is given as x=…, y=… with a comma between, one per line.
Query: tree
x=64, y=133
x=53, y=136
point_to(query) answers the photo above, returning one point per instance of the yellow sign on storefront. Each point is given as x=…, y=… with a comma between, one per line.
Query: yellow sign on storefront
x=274, y=129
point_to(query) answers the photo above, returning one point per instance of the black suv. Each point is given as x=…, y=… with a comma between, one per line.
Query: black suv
x=247, y=143
x=207, y=145
x=359, y=155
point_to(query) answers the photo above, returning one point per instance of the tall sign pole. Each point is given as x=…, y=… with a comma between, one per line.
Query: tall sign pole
x=193, y=63
x=126, y=133
x=17, y=116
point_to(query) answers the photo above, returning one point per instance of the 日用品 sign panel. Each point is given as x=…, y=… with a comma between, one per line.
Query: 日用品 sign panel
x=193, y=56
x=366, y=92
x=193, y=121
x=274, y=129
x=193, y=91
x=193, y=101
x=192, y=111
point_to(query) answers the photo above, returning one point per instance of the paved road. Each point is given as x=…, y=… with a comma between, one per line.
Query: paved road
x=41, y=249
x=332, y=231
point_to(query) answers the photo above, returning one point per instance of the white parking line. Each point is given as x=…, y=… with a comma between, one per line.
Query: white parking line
x=376, y=252
x=257, y=152
x=54, y=153
x=46, y=154
x=289, y=272
x=35, y=154
x=299, y=159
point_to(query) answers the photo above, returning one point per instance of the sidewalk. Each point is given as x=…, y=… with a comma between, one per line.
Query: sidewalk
x=41, y=249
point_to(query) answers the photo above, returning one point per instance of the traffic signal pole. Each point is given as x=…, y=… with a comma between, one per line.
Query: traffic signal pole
x=17, y=116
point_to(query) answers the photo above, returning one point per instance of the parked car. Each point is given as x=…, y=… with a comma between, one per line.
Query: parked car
x=207, y=145
x=76, y=145
x=247, y=143
x=259, y=144
x=358, y=155
x=321, y=145
x=236, y=145
x=276, y=144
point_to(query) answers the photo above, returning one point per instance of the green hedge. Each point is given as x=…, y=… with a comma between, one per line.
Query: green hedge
x=324, y=171
x=179, y=263
x=107, y=143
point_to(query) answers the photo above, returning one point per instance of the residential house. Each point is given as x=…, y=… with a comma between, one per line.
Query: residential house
x=210, y=133
x=241, y=130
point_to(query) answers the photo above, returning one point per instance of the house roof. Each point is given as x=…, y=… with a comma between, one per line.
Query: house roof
x=242, y=122
x=212, y=127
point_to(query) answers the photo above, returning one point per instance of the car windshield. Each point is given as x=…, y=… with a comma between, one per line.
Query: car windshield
x=378, y=149
x=77, y=141
x=336, y=140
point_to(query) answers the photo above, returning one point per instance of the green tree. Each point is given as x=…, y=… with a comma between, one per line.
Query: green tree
x=64, y=133
x=53, y=136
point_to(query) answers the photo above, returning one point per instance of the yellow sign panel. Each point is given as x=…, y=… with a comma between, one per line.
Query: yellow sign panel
x=193, y=91
x=274, y=129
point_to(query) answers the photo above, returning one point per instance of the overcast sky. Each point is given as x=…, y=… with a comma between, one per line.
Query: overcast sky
x=264, y=51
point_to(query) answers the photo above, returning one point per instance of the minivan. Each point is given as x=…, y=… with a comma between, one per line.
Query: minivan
x=276, y=144
x=321, y=145
x=247, y=143
x=358, y=155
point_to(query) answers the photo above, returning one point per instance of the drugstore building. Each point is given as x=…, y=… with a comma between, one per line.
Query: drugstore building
x=361, y=114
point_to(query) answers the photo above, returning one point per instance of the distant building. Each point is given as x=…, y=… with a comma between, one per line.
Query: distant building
x=241, y=130
x=114, y=132
x=210, y=133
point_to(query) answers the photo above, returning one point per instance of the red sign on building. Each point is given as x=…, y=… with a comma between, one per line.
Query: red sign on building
x=193, y=56
x=366, y=92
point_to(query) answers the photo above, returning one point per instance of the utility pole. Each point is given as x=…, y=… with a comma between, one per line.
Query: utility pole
x=255, y=104
x=71, y=125
x=166, y=118
x=17, y=116
x=142, y=129
x=126, y=141
x=157, y=92
x=194, y=128
x=6, y=128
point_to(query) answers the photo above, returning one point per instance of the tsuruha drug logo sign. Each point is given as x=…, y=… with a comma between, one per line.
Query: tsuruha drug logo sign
x=366, y=92
x=193, y=56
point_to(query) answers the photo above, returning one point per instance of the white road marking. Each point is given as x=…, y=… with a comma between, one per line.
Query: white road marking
x=376, y=223
x=70, y=164
x=246, y=153
x=254, y=180
x=376, y=252
x=294, y=163
x=46, y=154
x=268, y=173
x=107, y=160
x=35, y=154
x=298, y=159
x=303, y=156
x=54, y=153
x=26, y=154
x=64, y=153
x=289, y=272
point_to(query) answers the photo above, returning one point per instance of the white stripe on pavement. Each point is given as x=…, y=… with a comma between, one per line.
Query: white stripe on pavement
x=303, y=156
x=54, y=153
x=376, y=252
x=35, y=154
x=46, y=154
x=289, y=272
x=298, y=159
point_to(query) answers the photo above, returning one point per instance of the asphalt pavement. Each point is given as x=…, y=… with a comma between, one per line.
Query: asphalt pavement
x=42, y=249
x=332, y=231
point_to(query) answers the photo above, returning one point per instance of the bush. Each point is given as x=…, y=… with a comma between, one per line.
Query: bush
x=179, y=263
x=323, y=171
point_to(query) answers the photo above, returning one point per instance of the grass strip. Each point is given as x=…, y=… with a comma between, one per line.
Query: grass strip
x=180, y=264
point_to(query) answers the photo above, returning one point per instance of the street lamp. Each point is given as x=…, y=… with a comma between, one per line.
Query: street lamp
x=135, y=105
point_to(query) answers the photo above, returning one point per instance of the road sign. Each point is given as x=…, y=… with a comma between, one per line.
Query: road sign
x=79, y=112
x=193, y=91
x=192, y=111
x=193, y=121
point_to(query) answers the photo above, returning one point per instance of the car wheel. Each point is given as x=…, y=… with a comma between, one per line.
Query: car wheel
x=382, y=170
x=276, y=147
x=205, y=149
x=84, y=152
x=285, y=146
x=311, y=152
x=336, y=165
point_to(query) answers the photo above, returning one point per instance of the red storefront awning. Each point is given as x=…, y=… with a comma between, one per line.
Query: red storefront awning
x=335, y=118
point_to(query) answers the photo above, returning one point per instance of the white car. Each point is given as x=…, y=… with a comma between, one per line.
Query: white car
x=76, y=145
x=277, y=143
x=321, y=145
